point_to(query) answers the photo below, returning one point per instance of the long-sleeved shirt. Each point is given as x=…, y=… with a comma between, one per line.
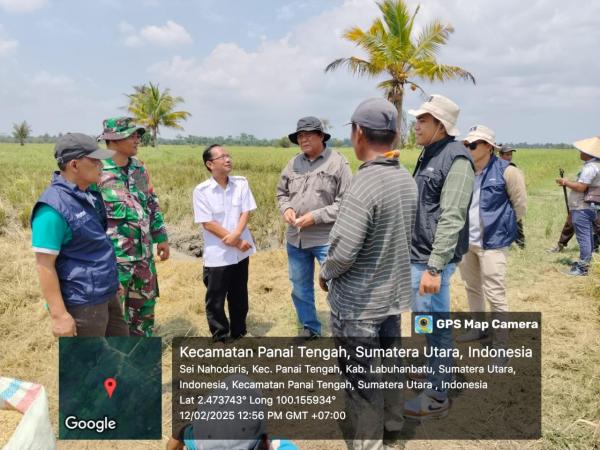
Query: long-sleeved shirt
x=454, y=204
x=369, y=256
x=517, y=190
x=313, y=186
x=135, y=220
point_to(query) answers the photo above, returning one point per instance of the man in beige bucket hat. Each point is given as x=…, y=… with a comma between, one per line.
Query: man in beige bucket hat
x=444, y=176
x=499, y=202
x=583, y=200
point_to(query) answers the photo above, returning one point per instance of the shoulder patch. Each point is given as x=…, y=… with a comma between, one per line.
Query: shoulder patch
x=202, y=185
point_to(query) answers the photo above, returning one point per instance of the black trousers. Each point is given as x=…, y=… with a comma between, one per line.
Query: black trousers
x=229, y=282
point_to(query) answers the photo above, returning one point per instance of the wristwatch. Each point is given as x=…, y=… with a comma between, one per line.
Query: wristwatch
x=433, y=271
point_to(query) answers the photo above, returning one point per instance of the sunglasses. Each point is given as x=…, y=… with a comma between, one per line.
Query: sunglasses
x=473, y=145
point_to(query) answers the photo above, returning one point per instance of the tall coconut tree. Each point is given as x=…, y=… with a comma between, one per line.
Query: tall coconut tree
x=21, y=132
x=392, y=50
x=155, y=108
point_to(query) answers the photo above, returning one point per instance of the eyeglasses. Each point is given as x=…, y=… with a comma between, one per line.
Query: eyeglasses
x=473, y=145
x=221, y=157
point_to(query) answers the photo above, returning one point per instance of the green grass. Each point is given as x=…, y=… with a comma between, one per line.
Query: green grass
x=175, y=170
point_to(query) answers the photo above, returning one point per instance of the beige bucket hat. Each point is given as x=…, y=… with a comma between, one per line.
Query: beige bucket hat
x=589, y=146
x=443, y=109
x=481, y=133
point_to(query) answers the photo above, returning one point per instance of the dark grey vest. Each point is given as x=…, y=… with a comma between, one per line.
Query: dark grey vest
x=430, y=174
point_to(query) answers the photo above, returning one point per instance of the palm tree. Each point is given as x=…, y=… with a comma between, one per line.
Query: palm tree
x=326, y=124
x=21, y=131
x=392, y=50
x=154, y=108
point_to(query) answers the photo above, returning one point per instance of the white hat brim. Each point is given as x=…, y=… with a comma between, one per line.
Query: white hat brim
x=451, y=130
x=470, y=138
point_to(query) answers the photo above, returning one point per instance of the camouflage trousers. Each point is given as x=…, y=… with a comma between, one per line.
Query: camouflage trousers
x=140, y=283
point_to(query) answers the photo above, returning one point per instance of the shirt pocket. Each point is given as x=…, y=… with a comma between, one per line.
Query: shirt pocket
x=115, y=209
x=494, y=188
x=296, y=184
x=326, y=186
x=432, y=182
x=236, y=205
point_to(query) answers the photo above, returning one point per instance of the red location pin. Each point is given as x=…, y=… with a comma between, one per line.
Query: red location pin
x=110, y=384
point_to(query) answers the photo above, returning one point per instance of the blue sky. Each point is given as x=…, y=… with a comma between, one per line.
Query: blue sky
x=256, y=67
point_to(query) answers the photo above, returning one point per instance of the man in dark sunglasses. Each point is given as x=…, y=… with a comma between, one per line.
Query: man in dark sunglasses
x=499, y=201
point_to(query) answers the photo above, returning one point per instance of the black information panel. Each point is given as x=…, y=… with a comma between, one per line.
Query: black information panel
x=336, y=388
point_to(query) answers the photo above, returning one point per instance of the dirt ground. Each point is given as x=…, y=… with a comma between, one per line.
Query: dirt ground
x=570, y=316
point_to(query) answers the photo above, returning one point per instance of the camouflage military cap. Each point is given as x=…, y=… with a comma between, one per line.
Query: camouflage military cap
x=117, y=128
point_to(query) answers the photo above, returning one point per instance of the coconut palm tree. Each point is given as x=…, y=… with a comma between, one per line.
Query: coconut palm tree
x=21, y=131
x=154, y=108
x=392, y=50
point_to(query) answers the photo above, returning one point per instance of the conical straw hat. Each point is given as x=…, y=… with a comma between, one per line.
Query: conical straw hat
x=589, y=146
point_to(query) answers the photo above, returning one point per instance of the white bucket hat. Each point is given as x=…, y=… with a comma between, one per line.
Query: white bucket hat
x=443, y=109
x=481, y=133
x=589, y=146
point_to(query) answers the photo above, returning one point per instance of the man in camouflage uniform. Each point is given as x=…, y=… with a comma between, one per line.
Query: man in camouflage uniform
x=135, y=223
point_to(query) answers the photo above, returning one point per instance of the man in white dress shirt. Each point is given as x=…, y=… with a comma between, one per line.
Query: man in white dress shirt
x=222, y=204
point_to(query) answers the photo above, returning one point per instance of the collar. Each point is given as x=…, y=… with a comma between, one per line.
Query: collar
x=57, y=178
x=380, y=161
x=493, y=158
x=109, y=164
x=438, y=144
x=213, y=184
x=324, y=154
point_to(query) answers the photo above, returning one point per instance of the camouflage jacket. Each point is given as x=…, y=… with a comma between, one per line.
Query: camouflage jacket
x=135, y=221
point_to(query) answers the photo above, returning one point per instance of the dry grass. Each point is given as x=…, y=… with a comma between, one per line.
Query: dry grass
x=571, y=330
x=570, y=313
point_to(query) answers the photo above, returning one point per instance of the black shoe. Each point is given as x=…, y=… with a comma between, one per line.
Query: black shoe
x=223, y=340
x=309, y=334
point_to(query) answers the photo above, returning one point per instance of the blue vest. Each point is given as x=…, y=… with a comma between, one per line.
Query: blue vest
x=495, y=210
x=86, y=266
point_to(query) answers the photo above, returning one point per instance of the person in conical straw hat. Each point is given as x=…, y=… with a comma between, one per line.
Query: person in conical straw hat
x=499, y=201
x=584, y=197
x=444, y=176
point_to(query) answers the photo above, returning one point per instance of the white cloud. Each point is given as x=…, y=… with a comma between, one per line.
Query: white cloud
x=22, y=6
x=264, y=91
x=7, y=46
x=60, y=83
x=536, y=71
x=54, y=103
x=169, y=35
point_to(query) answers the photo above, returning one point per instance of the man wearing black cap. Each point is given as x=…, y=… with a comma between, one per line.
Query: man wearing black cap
x=74, y=256
x=309, y=193
x=367, y=271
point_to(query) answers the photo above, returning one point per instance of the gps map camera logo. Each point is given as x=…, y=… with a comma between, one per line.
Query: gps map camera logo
x=423, y=324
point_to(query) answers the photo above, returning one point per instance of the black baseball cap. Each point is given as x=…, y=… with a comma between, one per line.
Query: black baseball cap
x=505, y=149
x=77, y=145
x=377, y=114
